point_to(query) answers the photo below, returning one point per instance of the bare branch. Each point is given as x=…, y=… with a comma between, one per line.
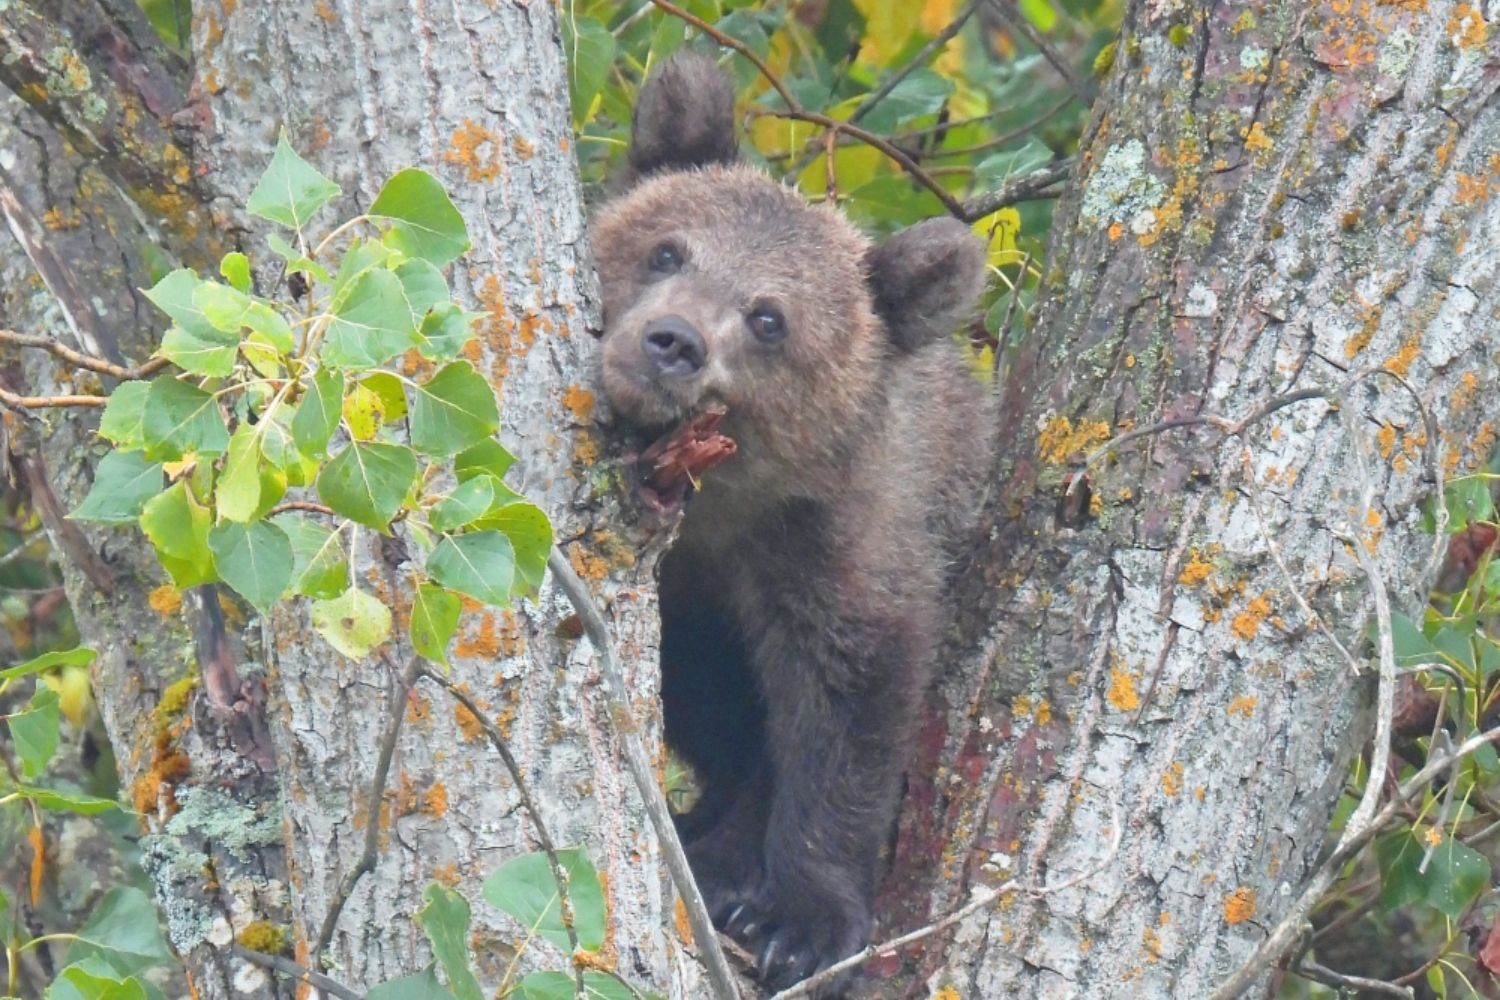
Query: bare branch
x=366, y=862
x=721, y=979
x=982, y=898
x=498, y=741
x=19, y=402
x=80, y=360
x=1309, y=969
x=1027, y=187
x=295, y=972
x=891, y=82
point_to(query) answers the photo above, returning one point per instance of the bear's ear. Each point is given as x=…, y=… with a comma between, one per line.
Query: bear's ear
x=926, y=280
x=684, y=117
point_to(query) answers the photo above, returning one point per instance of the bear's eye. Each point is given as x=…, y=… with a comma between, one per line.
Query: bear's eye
x=767, y=324
x=665, y=259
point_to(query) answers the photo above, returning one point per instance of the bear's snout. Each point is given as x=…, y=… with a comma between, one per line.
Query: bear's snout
x=674, y=346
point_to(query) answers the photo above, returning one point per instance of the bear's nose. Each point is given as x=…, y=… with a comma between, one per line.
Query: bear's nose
x=674, y=346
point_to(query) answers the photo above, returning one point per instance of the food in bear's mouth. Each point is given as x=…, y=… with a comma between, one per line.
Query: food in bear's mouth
x=671, y=467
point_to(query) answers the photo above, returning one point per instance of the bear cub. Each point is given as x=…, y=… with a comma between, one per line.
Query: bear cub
x=804, y=597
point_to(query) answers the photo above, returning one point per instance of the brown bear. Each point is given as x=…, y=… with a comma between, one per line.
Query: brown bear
x=803, y=599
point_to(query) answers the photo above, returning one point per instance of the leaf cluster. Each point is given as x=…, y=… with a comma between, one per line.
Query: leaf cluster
x=291, y=425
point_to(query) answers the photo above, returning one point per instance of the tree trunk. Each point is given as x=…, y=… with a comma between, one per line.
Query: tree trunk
x=1273, y=197
x=283, y=740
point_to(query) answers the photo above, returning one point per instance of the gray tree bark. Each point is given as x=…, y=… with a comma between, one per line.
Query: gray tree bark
x=284, y=737
x=1273, y=197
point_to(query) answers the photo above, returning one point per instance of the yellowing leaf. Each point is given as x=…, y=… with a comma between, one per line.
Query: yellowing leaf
x=888, y=26
x=75, y=696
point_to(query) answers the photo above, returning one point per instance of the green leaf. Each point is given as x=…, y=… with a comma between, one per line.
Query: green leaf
x=1039, y=13
x=211, y=355
x=318, y=413
x=1411, y=645
x=123, y=483
x=371, y=324
x=465, y=505
x=530, y=535
x=235, y=267
x=121, y=420
x=921, y=93
x=423, y=285
x=35, y=732
x=423, y=221
x=182, y=418
x=434, y=619
x=79, y=982
x=231, y=311
x=353, y=623
x=173, y=295
x=445, y=330
x=296, y=260
x=125, y=924
x=524, y=888
x=560, y=986
x=254, y=559
x=590, y=49
x=480, y=564
x=238, y=492
x=1456, y=875
x=79, y=656
x=445, y=917
x=487, y=458
x=1001, y=167
x=453, y=410
x=83, y=805
x=177, y=525
x=392, y=395
x=422, y=985
x=368, y=482
x=361, y=257
x=281, y=450
x=290, y=190
x=319, y=567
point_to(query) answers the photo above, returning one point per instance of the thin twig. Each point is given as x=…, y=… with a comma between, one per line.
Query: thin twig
x=78, y=359
x=295, y=972
x=982, y=898
x=721, y=979
x=18, y=402
x=730, y=42
x=497, y=740
x=1308, y=969
x=1284, y=934
x=310, y=506
x=1017, y=20
x=891, y=82
x=371, y=850
x=1033, y=186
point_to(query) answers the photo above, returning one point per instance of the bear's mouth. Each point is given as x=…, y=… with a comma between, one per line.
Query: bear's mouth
x=670, y=468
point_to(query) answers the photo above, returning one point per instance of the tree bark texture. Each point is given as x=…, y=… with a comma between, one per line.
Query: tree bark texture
x=283, y=736
x=1272, y=197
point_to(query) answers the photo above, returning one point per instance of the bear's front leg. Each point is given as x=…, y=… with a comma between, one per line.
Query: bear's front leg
x=841, y=695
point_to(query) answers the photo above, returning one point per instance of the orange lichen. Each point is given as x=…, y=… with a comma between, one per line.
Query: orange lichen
x=1471, y=189
x=435, y=802
x=447, y=874
x=468, y=723
x=1116, y=230
x=1122, y=693
x=418, y=708
x=587, y=565
x=580, y=402
x=1151, y=941
x=165, y=600
x=1196, y=571
x=1400, y=362
x=483, y=644
x=466, y=150
x=1467, y=28
x=1433, y=836
x=1386, y=439
x=1239, y=905
x=1061, y=439
x=1243, y=706
x=1247, y=623
x=324, y=10
x=1463, y=395
x=680, y=921
x=1171, y=781
x=523, y=149
x=1256, y=139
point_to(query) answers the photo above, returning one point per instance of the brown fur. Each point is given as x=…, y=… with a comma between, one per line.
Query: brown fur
x=802, y=602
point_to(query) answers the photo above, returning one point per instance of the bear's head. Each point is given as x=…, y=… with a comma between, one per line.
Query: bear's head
x=722, y=286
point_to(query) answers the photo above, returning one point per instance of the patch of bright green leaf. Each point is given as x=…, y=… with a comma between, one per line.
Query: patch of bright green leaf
x=524, y=887
x=368, y=482
x=590, y=48
x=319, y=566
x=235, y=268
x=353, y=623
x=290, y=190
x=124, y=481
x=371, y=325
x=445, y=330
x=530, y=535
x=452, y=411
x=445, y=917
x=80, y=656
x=423, y=221
x=181, y=418
x=34, y=731
x=434, y=619
x=468, y=502
x=121, y=420
x=479, y=563
x=255, y=559
x=422, y=985
x=178, y=525
x=318, y=413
